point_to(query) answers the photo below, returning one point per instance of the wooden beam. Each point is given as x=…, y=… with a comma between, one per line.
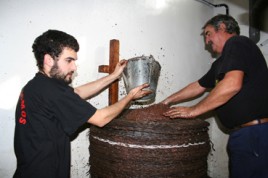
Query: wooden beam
x=113, y=60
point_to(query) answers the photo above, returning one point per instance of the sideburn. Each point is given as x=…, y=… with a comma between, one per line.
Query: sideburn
x=57, y=74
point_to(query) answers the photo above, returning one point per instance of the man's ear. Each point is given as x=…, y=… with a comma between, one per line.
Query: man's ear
x=223, y=27
x=48, y=60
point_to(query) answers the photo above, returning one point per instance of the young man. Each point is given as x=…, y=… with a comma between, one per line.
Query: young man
x=49, y=110
x=239, y=83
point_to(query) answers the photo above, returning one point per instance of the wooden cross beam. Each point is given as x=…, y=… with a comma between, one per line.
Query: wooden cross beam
x=114, y=59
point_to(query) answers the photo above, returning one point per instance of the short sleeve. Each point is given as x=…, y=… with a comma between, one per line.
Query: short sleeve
x=72, y=111
x=208, y=80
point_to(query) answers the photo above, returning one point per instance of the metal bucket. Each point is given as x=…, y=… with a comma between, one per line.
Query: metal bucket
x=140, y=70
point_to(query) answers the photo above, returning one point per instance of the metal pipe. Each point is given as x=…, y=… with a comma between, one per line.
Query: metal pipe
x=215, y=5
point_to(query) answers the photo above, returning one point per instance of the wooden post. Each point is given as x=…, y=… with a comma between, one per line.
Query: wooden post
x=113, y=60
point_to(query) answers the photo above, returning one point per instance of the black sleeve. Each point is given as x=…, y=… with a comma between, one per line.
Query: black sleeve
x=208, y=80
x=72, y=111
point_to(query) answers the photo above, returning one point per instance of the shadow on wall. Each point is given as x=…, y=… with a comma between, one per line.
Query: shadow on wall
x=256, y=18
x=260, y=12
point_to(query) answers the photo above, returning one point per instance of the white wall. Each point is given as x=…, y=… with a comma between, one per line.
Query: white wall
x=168, y=29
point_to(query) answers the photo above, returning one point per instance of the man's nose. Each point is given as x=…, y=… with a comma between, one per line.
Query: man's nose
x=74, y=66
x=207, y=41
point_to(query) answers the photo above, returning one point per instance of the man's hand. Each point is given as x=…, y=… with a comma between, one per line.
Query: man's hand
x=181, y=112
x=138, y=92
x=119, y=68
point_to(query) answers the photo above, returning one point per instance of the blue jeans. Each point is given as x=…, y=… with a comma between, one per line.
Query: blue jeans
x=248, y=152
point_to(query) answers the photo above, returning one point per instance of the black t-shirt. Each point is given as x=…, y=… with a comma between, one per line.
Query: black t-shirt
x=240, y=53
x=47, y=113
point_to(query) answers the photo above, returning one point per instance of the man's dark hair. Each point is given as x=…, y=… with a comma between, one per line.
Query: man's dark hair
x=52, y=42
x=230, y=23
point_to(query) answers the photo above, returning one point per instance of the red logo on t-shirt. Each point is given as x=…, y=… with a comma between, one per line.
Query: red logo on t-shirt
x=22, y=119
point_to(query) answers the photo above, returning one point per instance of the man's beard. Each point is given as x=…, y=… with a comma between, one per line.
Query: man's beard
x=56, y=73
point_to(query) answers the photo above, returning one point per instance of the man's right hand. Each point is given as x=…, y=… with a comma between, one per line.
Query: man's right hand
x=138, y=92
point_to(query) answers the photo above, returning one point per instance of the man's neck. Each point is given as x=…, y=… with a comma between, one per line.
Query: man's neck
x=43, y=72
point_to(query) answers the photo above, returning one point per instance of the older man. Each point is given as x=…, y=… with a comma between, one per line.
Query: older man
x=239, y=83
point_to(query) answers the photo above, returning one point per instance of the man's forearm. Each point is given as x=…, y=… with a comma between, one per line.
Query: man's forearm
x=190, y=91
x=92, y=88
x=222, y=93
x=105, y=115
